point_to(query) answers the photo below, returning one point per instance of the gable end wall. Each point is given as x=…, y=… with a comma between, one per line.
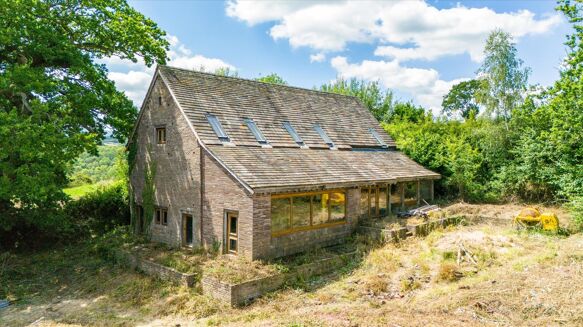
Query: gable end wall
x=177, y=177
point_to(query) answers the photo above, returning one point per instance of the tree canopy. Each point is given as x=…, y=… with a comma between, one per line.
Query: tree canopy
x=461, y=99
x=56, y=101
x=272, y=78
x=377, y=100
x=504, y=79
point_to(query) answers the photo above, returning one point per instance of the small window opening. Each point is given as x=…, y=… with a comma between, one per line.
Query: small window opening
x=256, y=132
x=160, y=100
x=161, y=216
x=293, y=133
x=161, y=135
x=376, y=135
x=217, y=128
x=323, y=135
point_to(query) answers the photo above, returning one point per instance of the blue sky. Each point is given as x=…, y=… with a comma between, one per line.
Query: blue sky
x=418, y=49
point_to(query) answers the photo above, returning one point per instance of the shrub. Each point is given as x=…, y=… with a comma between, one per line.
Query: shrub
x=102, y=210
x=448, y=272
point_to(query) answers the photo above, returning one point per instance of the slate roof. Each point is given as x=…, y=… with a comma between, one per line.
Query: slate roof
x=344, y=118
x=285, y=165
x=275, y=168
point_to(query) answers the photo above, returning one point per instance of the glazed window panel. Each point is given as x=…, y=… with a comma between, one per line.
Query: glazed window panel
x=301, y=211
x=410, y=194
x=320, y=209
x=280, y=214
x=364, y=201
x=383, y=201
x=374, y=201
x=337, y=206
x=426, y=190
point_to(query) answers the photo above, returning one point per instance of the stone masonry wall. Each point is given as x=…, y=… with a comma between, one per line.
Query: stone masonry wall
x=222, y=193
x=177, y=178
x=266, y=246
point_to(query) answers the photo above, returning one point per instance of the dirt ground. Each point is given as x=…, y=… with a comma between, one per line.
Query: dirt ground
x=486, y=274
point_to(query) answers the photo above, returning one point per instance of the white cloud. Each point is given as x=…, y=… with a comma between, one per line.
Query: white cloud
x=134, y=78
x=318, y=57
x=402, y=30
x=423, y=85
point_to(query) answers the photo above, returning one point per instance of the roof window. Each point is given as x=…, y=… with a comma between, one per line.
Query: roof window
x=376, y=135
x=293, y=133
x=216, y=125
x=323, y=135
x=256, y=132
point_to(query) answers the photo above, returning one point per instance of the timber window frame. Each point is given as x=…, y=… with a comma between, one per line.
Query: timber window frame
x=161, y=135
x=370, y=207
x=329, y=222
x=161, y=216
x=324, y=136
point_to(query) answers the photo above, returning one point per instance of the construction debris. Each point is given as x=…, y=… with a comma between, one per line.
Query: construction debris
x=423, y=211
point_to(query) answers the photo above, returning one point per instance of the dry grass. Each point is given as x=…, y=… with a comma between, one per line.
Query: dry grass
x=519, y=278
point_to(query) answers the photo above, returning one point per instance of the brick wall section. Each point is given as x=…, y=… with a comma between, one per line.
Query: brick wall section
x=266, y=246
x=222, y=192
x=177, y=179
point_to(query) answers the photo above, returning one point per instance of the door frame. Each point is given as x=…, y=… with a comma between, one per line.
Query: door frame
x=228, y=235
x=184, y=215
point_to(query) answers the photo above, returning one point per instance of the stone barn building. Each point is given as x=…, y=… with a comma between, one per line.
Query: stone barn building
x=261, y=170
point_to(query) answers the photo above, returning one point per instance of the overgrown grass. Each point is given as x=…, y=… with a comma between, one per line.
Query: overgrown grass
x=79, y=191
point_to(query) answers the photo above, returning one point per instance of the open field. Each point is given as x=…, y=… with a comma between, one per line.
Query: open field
x=509, y=278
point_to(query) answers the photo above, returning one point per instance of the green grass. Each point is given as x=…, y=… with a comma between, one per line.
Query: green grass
x=78, y=191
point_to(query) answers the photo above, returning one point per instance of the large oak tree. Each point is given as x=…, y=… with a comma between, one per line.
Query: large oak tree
x=55, y=101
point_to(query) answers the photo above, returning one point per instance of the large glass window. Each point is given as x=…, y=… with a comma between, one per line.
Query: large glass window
x=374, y=201
x=410, y=194
x=383, y=201
x=337, y=206
x=320, y=208
x=301, y=211
x=426, y=190
x=280, y=214
x=364, y=202
x=291, y=212
x=395, y=197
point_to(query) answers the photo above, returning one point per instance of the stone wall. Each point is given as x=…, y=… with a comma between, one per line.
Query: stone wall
x=266, y=246
x=243, y=293
x=159, y=271
x=223, y=193
x=177, y=177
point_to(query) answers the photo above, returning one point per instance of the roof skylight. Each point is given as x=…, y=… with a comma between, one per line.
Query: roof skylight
x=217, y=127
x=376, y=135
x=323, y=135
x=293, y=133
x=256, y=132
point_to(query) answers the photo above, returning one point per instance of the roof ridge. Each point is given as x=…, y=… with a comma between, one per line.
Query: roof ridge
x=259, y=82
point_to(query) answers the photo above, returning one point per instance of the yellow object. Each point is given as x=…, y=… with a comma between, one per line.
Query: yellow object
x=532, y=217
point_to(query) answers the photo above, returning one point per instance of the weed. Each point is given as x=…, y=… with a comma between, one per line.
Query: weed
x=376, y=284
x=448, y=272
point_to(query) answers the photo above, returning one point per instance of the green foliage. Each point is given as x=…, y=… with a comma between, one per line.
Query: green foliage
x=225, y=71
x=503, y=79
x=105, y=166
x=55, y=102
x=461, y=100
x=272, y=78
x=148, y=194
x=379, y=102
x=102, y=210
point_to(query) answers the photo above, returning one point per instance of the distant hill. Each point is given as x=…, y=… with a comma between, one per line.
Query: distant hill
x=89, y=169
